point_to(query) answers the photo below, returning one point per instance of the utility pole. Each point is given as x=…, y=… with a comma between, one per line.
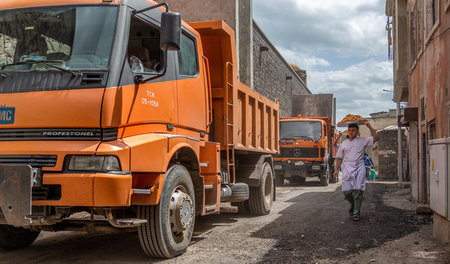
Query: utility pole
x=399, y=148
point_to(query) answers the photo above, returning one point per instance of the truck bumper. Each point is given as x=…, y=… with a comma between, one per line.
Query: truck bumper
x=90, y=189
x=295, y=167
x=76, y=189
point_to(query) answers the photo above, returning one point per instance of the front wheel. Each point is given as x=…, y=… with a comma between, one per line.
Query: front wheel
x=261, y=197
x=12, y=238
x=324, y=178
x=170, y=224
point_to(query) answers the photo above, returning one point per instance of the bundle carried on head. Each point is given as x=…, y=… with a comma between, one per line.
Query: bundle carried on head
x=351, y=119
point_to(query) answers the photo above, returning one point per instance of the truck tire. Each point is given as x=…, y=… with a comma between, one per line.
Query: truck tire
x=170, y=224
x=243, y=207
x=12, y=238
x=261, y=197
x=239, y=192
x=324, y=178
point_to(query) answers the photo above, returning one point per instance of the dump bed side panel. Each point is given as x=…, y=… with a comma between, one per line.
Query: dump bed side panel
x=242, y=117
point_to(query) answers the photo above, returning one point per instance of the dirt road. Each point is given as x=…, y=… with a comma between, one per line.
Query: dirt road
x=309, y=224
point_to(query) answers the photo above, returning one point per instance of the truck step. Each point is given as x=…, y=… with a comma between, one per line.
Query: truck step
x=130, y=221
x=210, y=207
x=142, y=191
x=209, y=186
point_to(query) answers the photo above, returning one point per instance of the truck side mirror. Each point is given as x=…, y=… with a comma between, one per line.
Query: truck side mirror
x=170, y=31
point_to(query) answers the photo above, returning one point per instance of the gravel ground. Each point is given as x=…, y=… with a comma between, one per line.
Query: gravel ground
x=308, y=224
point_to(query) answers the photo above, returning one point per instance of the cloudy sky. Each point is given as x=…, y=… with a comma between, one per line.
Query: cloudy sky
x=342, y=44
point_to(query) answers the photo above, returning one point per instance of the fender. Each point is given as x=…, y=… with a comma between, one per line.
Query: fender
x=156, y=178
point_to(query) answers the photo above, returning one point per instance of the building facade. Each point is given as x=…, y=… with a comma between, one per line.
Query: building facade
x=420, y=44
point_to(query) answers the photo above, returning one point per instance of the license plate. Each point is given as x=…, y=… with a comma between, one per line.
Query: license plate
x=278, y=167
x=299, y=163
x=316, y=167
x=7, y=115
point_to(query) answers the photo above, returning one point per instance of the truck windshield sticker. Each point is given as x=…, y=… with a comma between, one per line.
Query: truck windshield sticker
x=7, y=115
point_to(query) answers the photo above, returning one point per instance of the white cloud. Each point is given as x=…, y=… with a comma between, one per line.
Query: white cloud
x=303, y=60
x=350, y=28
x=358, y=89
x=316, y=34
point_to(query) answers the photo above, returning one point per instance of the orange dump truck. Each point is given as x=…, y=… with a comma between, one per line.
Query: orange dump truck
x=116, y=115
x=307, y=149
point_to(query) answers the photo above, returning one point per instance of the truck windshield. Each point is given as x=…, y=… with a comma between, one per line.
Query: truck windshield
x=67, y=37
x=311, y=130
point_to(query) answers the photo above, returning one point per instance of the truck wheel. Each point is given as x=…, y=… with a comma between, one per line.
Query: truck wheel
x=330, y=175
x=12, y=238
x=325, y=177
x=243, y=207
x=239, y=192
x=170, y=224
x=261, y=197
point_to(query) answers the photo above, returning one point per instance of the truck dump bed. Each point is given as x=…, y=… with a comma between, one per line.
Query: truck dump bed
x=242, y=118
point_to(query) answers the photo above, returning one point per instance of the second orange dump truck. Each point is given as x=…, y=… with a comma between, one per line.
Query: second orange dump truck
x=116, y=115
x=307, y=149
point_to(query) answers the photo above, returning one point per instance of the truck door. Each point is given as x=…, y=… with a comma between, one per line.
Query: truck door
x=192, y=97
x=152, y=101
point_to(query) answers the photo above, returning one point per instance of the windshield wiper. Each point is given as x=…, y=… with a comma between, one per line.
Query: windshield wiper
x=45, y=62
x=305, y=137
x=287, y=138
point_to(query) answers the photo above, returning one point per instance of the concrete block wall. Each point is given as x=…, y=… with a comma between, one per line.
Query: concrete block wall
x=273, y=77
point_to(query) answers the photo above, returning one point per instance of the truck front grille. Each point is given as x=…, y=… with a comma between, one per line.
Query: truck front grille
x=299, y=152
x=35, y=161
x=46, y=192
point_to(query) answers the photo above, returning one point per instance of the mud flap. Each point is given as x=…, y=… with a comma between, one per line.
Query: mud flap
x=15, y=194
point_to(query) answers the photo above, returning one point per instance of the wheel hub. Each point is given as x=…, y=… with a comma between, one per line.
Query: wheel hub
x=181, y=211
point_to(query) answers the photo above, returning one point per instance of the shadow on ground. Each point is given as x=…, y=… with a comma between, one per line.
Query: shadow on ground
x=76, y=247
x=317, y=226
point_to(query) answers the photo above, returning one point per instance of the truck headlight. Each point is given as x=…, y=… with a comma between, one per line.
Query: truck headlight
x=92, y=163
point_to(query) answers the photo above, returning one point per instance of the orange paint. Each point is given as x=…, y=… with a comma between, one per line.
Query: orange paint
x=154, y=121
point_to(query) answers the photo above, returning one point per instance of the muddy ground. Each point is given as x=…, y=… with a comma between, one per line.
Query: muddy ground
x=308, y=224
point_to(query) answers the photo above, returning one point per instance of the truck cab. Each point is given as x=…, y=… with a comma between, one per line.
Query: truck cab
x=306, y=149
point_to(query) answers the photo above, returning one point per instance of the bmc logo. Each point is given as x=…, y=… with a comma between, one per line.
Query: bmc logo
x=7, y=115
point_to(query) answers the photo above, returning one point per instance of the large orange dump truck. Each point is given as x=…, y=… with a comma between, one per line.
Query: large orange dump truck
x=307, y=149
x=118, y=115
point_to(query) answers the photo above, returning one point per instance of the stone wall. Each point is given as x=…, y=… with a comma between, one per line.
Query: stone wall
x=273, y=76
x=387, y=154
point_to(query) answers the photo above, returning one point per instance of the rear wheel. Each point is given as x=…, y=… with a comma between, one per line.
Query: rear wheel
x=170, y=224
x=261, y=197
x=12, y=238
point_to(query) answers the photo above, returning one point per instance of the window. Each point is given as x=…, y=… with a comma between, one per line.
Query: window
x=144, y=53
x=187, y=57
x=69, y=37
x=420, y=24
x=432, y=15
x=412, y=35
x=435, y=11
x=307, y=130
